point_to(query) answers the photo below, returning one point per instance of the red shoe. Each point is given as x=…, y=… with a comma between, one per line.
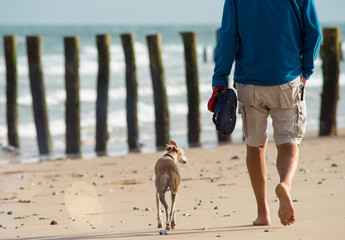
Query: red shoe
x=214, y=98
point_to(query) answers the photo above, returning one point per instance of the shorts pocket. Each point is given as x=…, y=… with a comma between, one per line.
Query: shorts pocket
x=301, y=120
x=245, y=93
x=241, y=110
x=289, y=94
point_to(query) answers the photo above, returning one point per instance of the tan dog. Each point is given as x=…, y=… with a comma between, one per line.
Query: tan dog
x=168, y=178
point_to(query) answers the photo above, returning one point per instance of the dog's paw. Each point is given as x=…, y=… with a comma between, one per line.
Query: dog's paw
x=159, y=225
x=168, y=228
x=173, y=225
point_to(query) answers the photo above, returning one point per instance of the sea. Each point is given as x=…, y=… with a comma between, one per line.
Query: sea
x=174, y=67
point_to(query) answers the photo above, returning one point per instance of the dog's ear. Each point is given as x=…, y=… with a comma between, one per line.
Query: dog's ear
x=172, y=142
x=171, y=148
x=168, y=147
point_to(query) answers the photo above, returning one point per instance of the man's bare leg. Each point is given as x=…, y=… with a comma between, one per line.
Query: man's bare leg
x=256, y=165
x=287, y=161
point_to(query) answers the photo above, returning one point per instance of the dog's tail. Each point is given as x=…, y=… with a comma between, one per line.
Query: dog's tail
x=174, y=181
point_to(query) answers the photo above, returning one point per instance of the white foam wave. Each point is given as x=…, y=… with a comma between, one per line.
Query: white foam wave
x=172, y=48
x=145, y=91
x=22, y=66
x=342, y=79
x=116, y=50
x=117, y=66
x=176, y=90
x=88, y=95
x=146, y=112
x=117, y=119
x=25, y=100
x=2, y=66
x=88, y=67
x=88, y=120
x=178, y=108
x=56, y=98
x=117, y=93
x=89, y=50
x=53, y=64
x=57, y=127
x=27, y=130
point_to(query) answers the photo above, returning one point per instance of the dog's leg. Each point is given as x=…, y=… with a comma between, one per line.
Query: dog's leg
x=172, y=213
x=162, y=199
x=159, y=212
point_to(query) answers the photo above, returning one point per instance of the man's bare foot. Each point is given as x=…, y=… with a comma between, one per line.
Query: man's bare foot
x=262, y=221
x=286, y=211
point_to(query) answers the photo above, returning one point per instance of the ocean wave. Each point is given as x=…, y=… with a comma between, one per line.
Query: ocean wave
x=88, y=95
x=27, y=130
x=178, y=108
x=56, y=98
x=117, y=119
x=25, y=99
x=145, y=91
x=145, y=112
x=117, y=93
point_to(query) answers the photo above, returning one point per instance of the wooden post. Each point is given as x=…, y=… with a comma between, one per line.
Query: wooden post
x=72, y=117
x=341, y=51
x=214, y=50
x=10, y=48
x=330, y=55
x=132, y=91
x=205, y=54
x=223, y=138
x=103, y=44
x=34, y=50
x=159, y=91
x=190, y=54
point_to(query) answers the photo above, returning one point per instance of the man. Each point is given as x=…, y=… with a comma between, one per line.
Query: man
x=274, y=44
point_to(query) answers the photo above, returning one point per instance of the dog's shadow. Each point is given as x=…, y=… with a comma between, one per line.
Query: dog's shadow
x=155, y=233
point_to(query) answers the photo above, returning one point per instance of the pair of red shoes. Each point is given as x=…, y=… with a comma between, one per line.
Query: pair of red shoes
x=223, y=104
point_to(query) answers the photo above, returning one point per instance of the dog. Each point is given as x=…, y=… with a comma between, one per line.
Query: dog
x=168, y=178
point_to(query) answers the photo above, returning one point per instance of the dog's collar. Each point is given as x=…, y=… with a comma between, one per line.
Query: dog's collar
x=169, y=155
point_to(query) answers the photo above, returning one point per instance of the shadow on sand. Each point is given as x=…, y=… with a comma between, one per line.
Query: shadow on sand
x=155, y=233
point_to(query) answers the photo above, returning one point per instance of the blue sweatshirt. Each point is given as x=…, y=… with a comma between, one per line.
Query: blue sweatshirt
x=272, y=41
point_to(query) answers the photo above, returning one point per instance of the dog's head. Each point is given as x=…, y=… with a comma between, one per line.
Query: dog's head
x=172, y=147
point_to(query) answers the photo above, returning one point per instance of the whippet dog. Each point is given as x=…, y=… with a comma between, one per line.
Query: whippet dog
x=168, y=178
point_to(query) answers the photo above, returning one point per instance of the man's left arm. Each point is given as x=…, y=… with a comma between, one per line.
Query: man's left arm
x=312, y=37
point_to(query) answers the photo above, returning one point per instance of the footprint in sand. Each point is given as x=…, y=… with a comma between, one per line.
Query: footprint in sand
x=82, y=204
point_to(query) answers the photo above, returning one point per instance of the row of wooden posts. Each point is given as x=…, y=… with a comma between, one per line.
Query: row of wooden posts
x=330, y=54
x=72, y=117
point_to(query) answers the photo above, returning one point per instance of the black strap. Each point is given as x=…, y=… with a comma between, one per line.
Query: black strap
x=169, y=155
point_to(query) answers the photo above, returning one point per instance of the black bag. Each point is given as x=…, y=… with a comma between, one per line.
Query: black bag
x=224, y=116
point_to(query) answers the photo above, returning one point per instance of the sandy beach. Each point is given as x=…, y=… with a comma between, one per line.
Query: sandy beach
x=113, y=197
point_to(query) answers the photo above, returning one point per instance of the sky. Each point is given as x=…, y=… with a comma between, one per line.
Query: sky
x=133, y=11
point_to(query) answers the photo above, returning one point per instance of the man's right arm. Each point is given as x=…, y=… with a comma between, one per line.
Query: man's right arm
x=226, y=45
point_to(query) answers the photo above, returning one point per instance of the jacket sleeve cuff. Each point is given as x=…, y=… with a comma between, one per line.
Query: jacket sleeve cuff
x=306, y=73
x=220, y=81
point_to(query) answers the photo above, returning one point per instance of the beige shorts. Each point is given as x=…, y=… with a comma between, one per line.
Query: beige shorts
x=282, y=102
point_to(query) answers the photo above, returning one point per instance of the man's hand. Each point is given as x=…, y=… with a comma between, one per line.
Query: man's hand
x=304, y=80
x=214, y=98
